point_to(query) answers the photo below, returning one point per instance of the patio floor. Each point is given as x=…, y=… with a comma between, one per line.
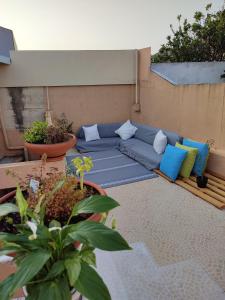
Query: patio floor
x=175, y=225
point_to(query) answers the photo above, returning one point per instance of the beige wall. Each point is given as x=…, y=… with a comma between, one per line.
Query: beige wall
x=92, y=104
x=69, y=68
x=194, y=111
x=81, y=104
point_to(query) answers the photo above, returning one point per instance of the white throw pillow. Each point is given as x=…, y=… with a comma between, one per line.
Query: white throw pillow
x=91, y=133
x=126, y=131
x=160, y=142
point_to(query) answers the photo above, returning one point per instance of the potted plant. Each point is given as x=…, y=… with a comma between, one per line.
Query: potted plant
x=47, y=263
x=58, y=191
x=53, y=140
x=54, y=238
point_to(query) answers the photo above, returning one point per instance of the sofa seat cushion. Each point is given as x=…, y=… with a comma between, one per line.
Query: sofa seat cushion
x=98, y=145
x=141, y=152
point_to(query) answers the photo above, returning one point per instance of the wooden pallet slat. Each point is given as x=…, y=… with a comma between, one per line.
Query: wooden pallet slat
x=214, y=178
x=205, y=190
x=214, y=193
x=200, y=194
x=216, y=184
x=211, y=187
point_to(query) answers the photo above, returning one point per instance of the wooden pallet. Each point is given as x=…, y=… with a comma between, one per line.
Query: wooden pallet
x=214, y=193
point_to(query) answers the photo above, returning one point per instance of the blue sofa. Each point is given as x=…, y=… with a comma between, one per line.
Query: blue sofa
x=139, y=147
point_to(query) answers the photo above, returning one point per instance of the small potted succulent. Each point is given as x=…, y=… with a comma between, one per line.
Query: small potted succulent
x=51, y=233
x=54, y=140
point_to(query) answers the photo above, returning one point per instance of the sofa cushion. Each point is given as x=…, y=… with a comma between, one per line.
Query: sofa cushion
x=202, y=156
x=172, y=161
x=141, y=152
x=126, y=131
x=105, y=130
x=189, y=161
x=91, y=133
x=147, y=134
x=160, y=142
x=98, y=145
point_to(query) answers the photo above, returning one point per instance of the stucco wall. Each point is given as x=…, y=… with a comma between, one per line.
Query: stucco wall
x=69, y=68
x=81, y=104
x=194, y=111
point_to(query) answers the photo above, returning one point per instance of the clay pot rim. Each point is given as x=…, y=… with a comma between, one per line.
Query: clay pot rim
x=97, y=187
x=72, y=137
x=95, y=217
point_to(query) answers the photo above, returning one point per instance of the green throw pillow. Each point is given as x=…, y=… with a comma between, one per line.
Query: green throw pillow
x=189, y=161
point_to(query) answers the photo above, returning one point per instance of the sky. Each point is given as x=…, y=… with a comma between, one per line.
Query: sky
x=94, y=24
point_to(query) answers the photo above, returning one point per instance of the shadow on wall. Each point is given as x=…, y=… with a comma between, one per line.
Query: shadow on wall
x=17, y=103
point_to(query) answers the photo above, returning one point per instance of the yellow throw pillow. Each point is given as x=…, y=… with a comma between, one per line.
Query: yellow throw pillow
x=189, y=161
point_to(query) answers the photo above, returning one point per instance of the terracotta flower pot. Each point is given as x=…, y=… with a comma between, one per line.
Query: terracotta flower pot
x=94, y=217
x=54, y=151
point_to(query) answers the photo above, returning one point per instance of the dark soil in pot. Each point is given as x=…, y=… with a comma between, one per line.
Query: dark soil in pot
x=7, y=222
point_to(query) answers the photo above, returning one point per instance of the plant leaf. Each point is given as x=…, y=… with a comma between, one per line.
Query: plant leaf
x=8, y=248
x=28, y=268
x=50, y=290
x=89, y=257
x=21, y=202
x=91, y=285
x=7, y=208
x=10, y=237
x=94, y=204
x=57, y=268
x=73, y=268
x=97, y=234
x=54, y=223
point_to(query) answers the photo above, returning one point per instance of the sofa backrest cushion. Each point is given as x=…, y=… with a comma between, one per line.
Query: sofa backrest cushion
x=147, y=134
x=105, y=130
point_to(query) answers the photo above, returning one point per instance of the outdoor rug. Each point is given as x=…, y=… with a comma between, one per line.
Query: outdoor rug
x=112, y=168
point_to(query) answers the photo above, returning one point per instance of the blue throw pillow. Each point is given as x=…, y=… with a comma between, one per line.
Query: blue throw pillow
x=172, y=160
x=202, y=156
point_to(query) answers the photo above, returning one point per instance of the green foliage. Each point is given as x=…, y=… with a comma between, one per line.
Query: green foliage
x=21, y=203
x=202, y=40
x=94, y=204
x=41, y=133
x=47, y=262
x=36, y=134
x=7, y=208
x=82, y=165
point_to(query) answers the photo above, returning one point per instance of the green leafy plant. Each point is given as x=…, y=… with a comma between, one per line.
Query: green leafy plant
x=201, y=40
x=55, y=256
x=42, y=133
x=82, y=165
x=48, y=264
x=36, y=134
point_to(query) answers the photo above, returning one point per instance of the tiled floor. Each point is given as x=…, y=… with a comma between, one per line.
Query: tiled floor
x=175, y=225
